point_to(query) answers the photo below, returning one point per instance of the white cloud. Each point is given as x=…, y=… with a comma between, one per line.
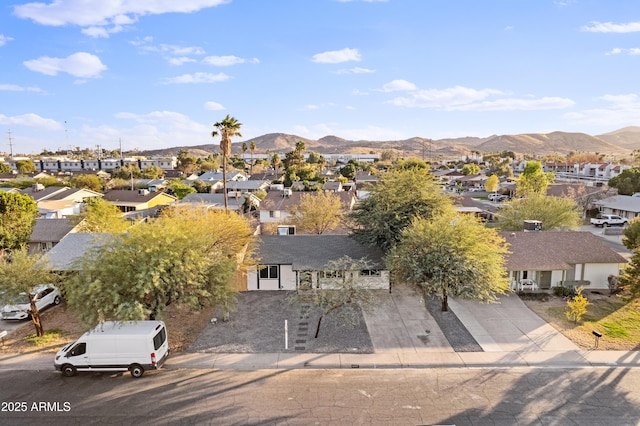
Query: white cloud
x=4, y=39
x=622, y=110
x=355, y=70
x=443, y=99
x=631, y=51
x=213, y=106
x=610, y=27
x=509, y=28
x=102, y=32
x=199, y=77
x=30, y=120
x=180, y=60
x=148, y=131
x=398, y=85
x=337, y=56
x=79, y=64
x=16, y=88
x=105, y=13
x=511, y=104
x=225, y=61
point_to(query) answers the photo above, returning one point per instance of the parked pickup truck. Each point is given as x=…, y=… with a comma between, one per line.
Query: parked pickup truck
x=605, y=220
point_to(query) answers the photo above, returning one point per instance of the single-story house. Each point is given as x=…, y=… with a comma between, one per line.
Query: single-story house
x=141, y=199
x=216, y=201
x=622, y=205
x=560, y=258
x=300, y=261
x=47, y=233
x=65, y=255
x=277, y=205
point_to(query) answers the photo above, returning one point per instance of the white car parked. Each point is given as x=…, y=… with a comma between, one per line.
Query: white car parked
x=45, y=295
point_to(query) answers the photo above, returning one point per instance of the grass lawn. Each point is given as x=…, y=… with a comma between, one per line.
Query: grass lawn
x=616, y=318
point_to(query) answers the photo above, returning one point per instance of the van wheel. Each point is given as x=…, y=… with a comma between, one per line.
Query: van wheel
x=136, y=370
x=68, y=370
x=57, y=300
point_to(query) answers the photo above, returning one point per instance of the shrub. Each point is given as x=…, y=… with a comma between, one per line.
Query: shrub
x=562, y=291
x=576, y=306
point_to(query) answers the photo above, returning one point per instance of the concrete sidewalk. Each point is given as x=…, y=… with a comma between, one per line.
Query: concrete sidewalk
x=288, y=361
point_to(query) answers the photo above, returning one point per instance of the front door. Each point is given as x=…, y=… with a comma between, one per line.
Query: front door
x=545, y=279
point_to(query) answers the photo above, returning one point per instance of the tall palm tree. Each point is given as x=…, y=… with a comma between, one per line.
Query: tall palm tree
x=252, y=147
x=227, y=128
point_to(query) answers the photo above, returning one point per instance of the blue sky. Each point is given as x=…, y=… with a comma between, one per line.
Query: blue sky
x=158, y=73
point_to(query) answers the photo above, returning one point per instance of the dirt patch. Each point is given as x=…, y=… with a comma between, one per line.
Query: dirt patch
x=552, y=310
x=258, y=326
x=183, y=327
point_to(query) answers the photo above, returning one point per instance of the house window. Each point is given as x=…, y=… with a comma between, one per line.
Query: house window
x=269, y=272
x=370, y=273
x=274, y=213
x=331, y=274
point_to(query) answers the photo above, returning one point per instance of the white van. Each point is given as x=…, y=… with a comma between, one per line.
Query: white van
x=116, y=346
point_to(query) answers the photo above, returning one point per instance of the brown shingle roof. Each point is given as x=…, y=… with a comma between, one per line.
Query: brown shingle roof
x=554, y=250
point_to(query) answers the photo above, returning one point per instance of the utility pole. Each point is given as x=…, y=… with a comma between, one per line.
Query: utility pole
x=10, y=143
x=66, y=136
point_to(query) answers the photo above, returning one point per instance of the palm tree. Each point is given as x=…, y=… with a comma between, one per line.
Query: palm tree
x=252, y=147
x=227, y=128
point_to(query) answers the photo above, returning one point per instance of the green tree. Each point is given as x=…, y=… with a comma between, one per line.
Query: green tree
x=201, y=187
x=317, y=213
x=349, y=171
x=19, y=273
x=275, y=162
x=100, y=215
x=252, y=148
x=492, y=183
x=152, y=172
x=470, y=169
x=304, y=172
x=533, y=180
x=5, y=168
x=18, y=215
x=295, y=157
x=451, y=255
x=25, y=166
x=627, y=182
x=92, y=182
x=127, y=172
x=181, y=189
x=630, y=278
x=227, y=128
x=345, y=292
x=576, y=306
x=393, y=203
x=554, y=213
x=411, y=163
x=186, y=162
x=631, y=239
x=187, y=257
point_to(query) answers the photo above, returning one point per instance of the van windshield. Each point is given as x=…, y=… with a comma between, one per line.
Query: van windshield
x=160, y=338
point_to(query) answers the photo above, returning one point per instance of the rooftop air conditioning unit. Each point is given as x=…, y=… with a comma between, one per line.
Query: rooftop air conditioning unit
x=287, y=192
x=143, y=191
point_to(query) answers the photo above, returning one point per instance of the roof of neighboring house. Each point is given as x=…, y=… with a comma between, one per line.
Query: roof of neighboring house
x=127, y=196
x=247, y=185
x=555, y=250
x=626, y=203
x=332, y=185
x=75, y=194
x=72, y=248
x=573, y=189
x=213, y=200
x=10, y=190
x=313, y=252
x=50, y=230
x=37, y=192
x=276, y=200
x=214, y=176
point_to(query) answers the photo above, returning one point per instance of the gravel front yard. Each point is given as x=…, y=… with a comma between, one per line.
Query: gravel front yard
x=258, y=326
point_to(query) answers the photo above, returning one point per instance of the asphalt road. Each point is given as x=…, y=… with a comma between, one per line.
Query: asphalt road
x=606, y=396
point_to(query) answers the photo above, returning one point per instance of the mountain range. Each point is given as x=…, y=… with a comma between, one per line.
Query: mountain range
x=617, y=143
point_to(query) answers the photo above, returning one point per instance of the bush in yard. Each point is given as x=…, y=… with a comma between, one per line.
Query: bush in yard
x=562, y=291
x=577, y=306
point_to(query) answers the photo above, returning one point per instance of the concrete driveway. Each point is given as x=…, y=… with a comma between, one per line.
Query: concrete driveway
x=509, y=326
